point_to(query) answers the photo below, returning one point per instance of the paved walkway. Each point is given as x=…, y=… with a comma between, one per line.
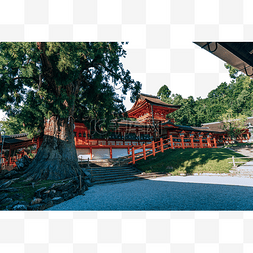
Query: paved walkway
x=168, y=193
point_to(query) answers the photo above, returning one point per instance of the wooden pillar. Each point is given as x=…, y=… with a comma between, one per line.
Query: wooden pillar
x=215, y=144
x=128, y=150
x=208, y=142
x=182, y=139
x=111, y=152
x=192, y=142
x=144, y=151
x=153, y=147
x=171, y=141
x=161, y=143
x=200, y=141
x=133, y=155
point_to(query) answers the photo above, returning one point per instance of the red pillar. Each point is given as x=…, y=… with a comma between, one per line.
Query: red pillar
x=153, y=147
x=171, y=142
x=161, y=143
x=200, y=141
x=91, y=153
x=192, y=143
x=182, y=141
x=144, y=151
x=215, y=144
x=111, y=152
x=133, y=155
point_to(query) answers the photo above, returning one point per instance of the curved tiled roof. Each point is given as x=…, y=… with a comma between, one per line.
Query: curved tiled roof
x=156, y=100
x=151, y=100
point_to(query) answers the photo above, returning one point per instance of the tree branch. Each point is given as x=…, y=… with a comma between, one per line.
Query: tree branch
x=23, y=77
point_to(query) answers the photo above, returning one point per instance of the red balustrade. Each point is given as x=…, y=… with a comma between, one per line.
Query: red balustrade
x=170, y=143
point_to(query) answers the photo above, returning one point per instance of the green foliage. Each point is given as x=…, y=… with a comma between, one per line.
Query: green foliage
x=236, y=96
x=233, y=125
x=39, y=80
x=12, y=126
x=164, y=94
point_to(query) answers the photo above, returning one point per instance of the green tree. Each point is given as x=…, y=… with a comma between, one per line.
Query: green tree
x=12, y=126
x=233, y=125
x=164, y=94
x=49, y=85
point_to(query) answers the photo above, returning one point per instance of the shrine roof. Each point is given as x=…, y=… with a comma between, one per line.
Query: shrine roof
x=16, y=141
x=15, y=138
x=154, y=100
x=219, y=125
x=200, y=129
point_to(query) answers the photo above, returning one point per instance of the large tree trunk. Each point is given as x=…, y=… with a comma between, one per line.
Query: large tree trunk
x=56, y=158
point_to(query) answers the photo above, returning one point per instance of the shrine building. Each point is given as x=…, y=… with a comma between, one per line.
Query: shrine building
x=150, y=122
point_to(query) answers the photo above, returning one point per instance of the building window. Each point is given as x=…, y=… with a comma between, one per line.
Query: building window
x=74, y=134
x=84, y=134
x=80, y=135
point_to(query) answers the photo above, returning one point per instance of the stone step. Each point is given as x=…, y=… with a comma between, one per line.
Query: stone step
x=118, y=175
x=105, y=162
x=110, y=170
x=103, y=175
x=129, y=178
x=114, y=173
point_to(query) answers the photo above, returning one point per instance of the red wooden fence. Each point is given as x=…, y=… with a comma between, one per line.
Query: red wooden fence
x=170, y=143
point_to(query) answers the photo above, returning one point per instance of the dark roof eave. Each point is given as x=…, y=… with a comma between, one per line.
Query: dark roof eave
x=199, y=129
x=163, y=105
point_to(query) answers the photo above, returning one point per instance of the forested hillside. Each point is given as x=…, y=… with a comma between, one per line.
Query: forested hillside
x=235, y=99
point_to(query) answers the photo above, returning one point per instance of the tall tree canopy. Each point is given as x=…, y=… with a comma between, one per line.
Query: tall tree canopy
x=46, y=86
x=237, y=97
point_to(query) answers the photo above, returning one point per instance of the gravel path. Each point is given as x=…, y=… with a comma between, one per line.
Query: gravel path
x=167, y=193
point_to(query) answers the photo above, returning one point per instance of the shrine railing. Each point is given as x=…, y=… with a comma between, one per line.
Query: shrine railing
x=146, y=150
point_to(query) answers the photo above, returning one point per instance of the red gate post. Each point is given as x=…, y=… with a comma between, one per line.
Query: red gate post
x=153, y=147
x=133, y=155
x=209, y=140
x=192, y=136
x=161, y=142
x=200, y=139
x=144, y=151
x=182, y=138
x=111, y=152
x=171, y=142
x=128, y=150
x=215, y=144
x=248, y=136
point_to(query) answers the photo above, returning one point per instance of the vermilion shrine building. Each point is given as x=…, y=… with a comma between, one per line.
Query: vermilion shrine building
x=150, y=123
